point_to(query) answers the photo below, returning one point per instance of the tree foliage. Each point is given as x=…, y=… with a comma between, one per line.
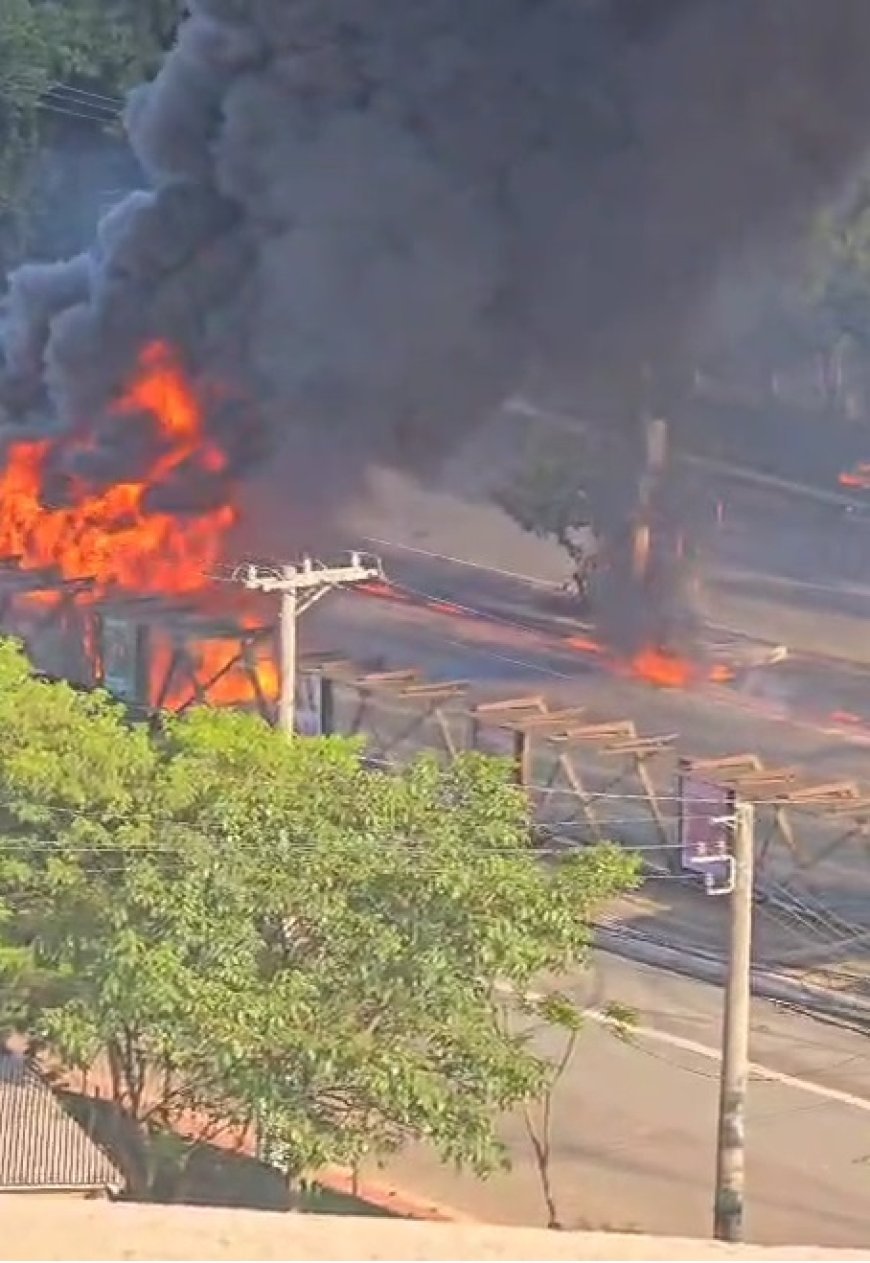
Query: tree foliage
x=546, y=495
x=95, y=45
x=838, y=291
x=242, y=929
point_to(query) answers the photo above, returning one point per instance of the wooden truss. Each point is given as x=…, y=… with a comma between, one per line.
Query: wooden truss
x=168, y=667
x=782, y=792
x=187, y=634
x=550, y=750
x=558, y=753
x=394, y=709
x=578, y=767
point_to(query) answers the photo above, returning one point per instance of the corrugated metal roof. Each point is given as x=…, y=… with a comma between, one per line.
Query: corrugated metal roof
x=41, y=1145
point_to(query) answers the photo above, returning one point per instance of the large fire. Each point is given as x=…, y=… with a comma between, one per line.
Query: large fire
x=117, y=535
x=135, y=533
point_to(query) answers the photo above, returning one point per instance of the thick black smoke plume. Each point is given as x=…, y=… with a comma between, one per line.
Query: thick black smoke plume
x=371, y=215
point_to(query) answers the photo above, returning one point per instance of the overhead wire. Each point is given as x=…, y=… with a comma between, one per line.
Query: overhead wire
x=638, y=1046
x=109, y=818
x=834, y=924
x=756, y=1077
x=835, y=936
x=140, y=850
x=73, y=102
x=51, y=108
x=594, y=796
x=100, y=108
x=69, y=89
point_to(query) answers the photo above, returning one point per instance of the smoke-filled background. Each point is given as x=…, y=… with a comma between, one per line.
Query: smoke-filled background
x=369, y=218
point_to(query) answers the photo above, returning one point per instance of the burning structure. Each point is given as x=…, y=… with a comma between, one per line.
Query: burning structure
x=78, y=541
x=364, y=220
x=141, y=499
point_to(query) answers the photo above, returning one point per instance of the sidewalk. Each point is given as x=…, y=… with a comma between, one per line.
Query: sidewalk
x=836, y=637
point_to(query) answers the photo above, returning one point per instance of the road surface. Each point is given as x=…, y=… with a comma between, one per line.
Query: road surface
x=834, y=891
x=634, y=1124
x=811, y=712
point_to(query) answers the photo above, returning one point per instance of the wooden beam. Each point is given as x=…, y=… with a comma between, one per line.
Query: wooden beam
x=535, y=702
x=323, y=661
x=344, y=669
x=827, y=790
x=449, y=688
x=642, y=745
x=848, y=807
x=726, y=763
x=553, y=718
x=387, y=679
x=768, y=775
x=621, y=728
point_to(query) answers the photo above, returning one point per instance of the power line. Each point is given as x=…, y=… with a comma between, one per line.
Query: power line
x=24, y=841
x=69, y=101
x=50, y=108
x=86, y=93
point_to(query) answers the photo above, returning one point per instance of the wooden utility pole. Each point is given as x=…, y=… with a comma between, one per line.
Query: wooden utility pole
x=734, y=1075
x=300, y=586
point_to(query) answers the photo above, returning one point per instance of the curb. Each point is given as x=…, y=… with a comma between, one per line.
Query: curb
x=389, y=1198
x=834, y=660
x=766, y=985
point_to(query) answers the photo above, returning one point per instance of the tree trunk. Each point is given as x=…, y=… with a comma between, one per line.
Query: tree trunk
x=128, y=1144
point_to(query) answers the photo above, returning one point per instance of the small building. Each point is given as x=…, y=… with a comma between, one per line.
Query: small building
x=42, y=1148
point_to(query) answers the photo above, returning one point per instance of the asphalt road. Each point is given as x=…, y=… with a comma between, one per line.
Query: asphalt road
x=832, y=889
x=633, y=1128
x=634, y=1125
x=773, y=566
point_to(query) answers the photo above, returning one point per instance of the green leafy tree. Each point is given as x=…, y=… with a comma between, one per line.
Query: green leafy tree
x=243, y=930
x=839, y=281
x=829, y=316
x=73, y=776
x=546, y=495
x=147, y=28
x=92, y=44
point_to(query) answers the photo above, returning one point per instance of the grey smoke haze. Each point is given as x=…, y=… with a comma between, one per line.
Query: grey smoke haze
x=371, y=215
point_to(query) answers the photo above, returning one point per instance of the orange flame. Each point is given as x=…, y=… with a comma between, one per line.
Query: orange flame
x=113, y=535
x=222, y=679
x=665, y=669
x=857, y=478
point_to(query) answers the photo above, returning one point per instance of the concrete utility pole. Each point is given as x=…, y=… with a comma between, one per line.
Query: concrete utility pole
x=300, y=587
x=656, y=437
x=734, y=1074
